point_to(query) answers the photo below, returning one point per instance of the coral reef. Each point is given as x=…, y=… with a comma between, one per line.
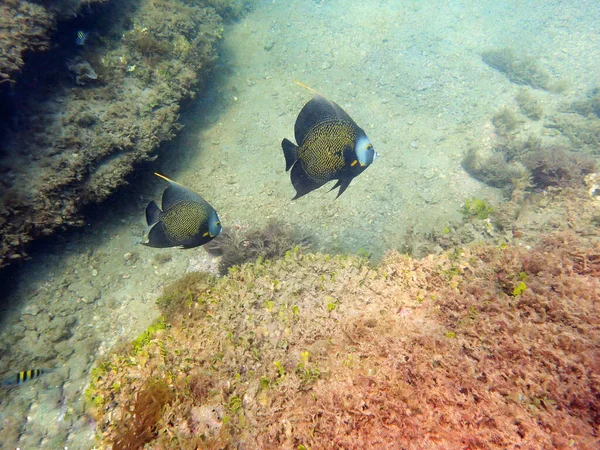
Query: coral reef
x=480, y=347
x=69, y=144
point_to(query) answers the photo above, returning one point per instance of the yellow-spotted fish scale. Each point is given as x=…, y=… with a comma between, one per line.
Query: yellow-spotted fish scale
x=326, y=150
x=186, y=219
x=330, y=147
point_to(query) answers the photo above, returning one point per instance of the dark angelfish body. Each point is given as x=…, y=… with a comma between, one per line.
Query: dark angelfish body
x=186, y=219
x=330, y=147
x=26, y=375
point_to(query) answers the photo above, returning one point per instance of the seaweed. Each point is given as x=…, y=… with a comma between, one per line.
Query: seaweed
x=518, y=69
x=582, y=131
x=506, y=121
x=590, y=107
x=185, y=293
x=237, y=246
x=493, y=168
x=141, y=415
x=230, y=9
x=555, y=166
x=476, y=208
x=529, y=105
x=149, y=45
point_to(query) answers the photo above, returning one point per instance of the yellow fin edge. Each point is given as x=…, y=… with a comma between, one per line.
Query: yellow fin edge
x=309, y=88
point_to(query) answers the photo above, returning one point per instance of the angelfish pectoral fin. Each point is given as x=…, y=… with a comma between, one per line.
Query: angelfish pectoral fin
x=302, y=182
x=343, y=184
x=152, y=213
x=157, y=237
x=290, y=152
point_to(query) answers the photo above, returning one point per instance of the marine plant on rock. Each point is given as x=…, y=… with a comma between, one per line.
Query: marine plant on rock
x=582, y=125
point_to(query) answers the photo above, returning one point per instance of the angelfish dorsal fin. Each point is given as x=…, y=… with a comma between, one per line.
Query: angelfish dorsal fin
x=176, y=192
x=317, y=110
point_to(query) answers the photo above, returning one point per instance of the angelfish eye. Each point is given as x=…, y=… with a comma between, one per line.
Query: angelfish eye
x=369, y=146
x=218, y=224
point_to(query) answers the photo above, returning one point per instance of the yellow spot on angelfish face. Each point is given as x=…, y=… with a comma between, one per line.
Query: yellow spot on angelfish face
x=355, y=162
x=206, y=234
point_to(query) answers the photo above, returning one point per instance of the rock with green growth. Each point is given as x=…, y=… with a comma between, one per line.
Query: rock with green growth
x=228, y=373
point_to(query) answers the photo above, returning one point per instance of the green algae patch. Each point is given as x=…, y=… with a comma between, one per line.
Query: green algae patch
x=405, y=356
x=476, y=208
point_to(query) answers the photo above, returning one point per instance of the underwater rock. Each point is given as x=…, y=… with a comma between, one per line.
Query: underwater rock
x=81, y=70
x=26, y=26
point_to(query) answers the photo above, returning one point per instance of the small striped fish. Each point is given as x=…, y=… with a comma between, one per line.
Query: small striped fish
x=81, y=37
x=24, y=376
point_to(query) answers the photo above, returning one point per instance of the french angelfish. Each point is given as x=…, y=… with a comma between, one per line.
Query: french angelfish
x=186, y=219
x=330, y=146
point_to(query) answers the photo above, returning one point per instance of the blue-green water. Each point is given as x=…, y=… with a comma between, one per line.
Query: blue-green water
x=409, y=73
